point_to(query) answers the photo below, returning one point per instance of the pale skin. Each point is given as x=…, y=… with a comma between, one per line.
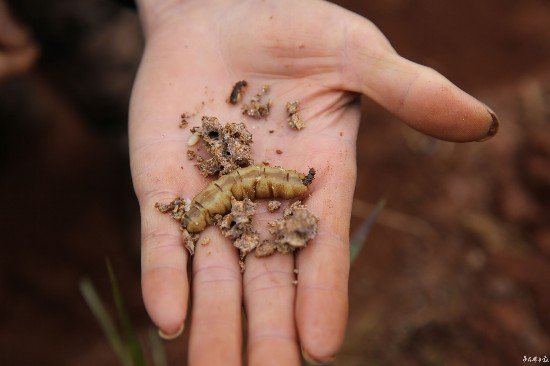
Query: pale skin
x=307, y=50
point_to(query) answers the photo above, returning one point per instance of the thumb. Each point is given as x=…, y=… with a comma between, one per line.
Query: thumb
x=423, y=98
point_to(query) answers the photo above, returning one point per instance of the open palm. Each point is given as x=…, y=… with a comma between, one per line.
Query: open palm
x=306, y=50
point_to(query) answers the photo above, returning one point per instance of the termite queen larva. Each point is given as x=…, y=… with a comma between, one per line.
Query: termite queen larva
x=252, y=182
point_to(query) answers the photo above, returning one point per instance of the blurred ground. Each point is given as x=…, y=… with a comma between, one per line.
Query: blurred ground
x=456, y=271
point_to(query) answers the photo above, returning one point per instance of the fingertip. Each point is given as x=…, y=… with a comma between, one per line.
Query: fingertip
x=493, y=128
x=165, y=299
x=322, y=334
x=170, y=336
x=310, y=360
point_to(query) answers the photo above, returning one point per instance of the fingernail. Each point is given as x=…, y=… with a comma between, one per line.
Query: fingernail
x=169, y=337
x=311, y=361
x=493, y=129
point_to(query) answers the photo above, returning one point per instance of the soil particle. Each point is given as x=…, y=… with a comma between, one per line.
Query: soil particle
x=294, y=120
x=271, y=131
x=256, y=108
x=279, y=151
x=177, y=208
x=273, y=206
x=237, y=225
x=229, y=146
x=238, y=90
x=309, y=177
x=297, y=226
x=204, y=241
x=265, y=249
x=184, y=122
x=191, y=155
x=189, y=240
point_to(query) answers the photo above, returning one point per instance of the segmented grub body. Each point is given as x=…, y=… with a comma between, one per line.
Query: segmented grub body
x=252, y=182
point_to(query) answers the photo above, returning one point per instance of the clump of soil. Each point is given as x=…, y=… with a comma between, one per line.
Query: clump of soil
x=309, y=177
x=177, y=208
x=297, y=226
x=273, y=206
x=204, y=241
x=191, y=154
x=256, y=108
x=294, y=120
x=237, y=225
x=189, y=240
x=229, y=146
x=183, y=121
x=238, y=90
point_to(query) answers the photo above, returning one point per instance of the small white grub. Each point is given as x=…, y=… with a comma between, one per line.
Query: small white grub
x=193, y=139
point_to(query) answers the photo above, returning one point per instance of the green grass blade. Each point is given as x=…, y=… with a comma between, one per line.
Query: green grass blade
x=132, y=342
x=360, y=236
x=89, y=293
x=157, y=349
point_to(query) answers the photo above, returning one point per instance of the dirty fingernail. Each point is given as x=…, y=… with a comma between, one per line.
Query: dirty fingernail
x=169, y=337
x=493, y=129
x=311, y=361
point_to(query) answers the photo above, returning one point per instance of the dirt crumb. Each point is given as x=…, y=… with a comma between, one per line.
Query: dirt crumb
x=190, y=241
x=294, y=120
x=256, y=108
x=265, y=249
x=309, y=177
x=237, y=225
x=273, y=206
x=279, y=151
x=177, y=208
x=229, y=146
x=183, y=121
x=297, y=226
x=242, y=265
x=204, y=241
x=271, y=131
x=238, y=90
x=295, y=229
x=191, y=155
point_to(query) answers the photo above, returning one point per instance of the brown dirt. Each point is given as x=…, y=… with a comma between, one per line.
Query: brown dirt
x=294, y=120
x=237, y=225
x=237, y=92
x=291, y=232
x=256, y=108
x=273, y=206
x=229, y=146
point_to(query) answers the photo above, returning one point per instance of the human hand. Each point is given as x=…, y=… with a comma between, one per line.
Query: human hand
x=306, y=50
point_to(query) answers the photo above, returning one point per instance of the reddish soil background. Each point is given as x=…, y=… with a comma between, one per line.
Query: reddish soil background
x=455, y=272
